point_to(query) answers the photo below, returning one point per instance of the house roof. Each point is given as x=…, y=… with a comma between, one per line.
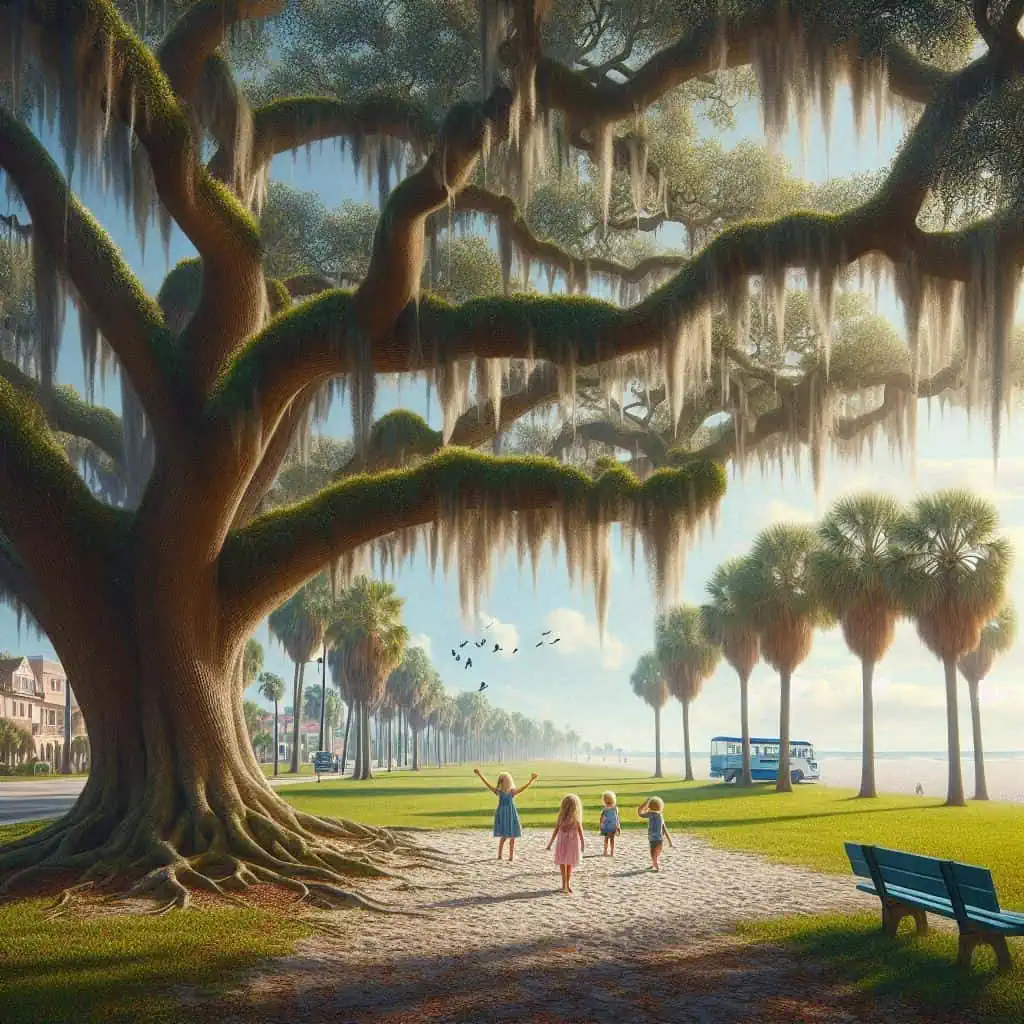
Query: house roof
x=8, y=665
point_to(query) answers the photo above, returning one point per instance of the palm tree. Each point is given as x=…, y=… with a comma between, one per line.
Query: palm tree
x=272, y=689
x=854, y=570
x=368, y=629
x=412, y=685
x=688, y=658
x=951, y=572
x=252, y=662
x=649, y=685
x=298, y=625
x=727, y=624
x=997, y=637
x=777, y=590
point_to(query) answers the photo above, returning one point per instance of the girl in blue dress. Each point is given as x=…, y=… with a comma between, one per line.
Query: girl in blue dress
x=506, y=817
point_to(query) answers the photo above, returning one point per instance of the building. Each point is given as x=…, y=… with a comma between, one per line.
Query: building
x=33, y=695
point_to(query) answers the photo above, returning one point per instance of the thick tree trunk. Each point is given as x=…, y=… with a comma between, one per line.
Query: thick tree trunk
x=784, y=783
x=867, y=766
x=657, y=743
x=688, y=764
x=746, y=778
x=363, y=767
x=955, y=787
x=980, y=786
x=391, y=721
x=415, y=750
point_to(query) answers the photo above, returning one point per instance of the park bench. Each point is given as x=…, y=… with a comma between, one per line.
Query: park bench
x=910, y=885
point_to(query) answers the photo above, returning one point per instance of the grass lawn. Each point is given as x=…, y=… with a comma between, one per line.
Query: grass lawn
x=110, y=963
x=47, y=775
x=282, y=769
x=123, y=968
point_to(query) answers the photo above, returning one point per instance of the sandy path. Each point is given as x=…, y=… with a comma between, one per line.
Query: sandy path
x=501, y=943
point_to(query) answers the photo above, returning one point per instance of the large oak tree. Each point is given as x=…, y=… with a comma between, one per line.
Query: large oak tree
x=150, y=573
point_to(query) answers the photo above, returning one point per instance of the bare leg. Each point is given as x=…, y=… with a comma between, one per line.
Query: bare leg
x=612, y=838
x=511, y=848
x=568, y=877
x=565, y=882
x=656, y=856
x=501, y=848
x=607, y=840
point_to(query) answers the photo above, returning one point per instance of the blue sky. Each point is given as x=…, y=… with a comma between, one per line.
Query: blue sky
x=584, y=683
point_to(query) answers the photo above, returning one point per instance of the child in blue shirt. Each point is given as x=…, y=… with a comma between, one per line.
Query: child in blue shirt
x=657, y=831
x=609, y=826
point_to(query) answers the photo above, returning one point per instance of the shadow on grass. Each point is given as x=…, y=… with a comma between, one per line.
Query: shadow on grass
x=920, y=970
x=710, y=823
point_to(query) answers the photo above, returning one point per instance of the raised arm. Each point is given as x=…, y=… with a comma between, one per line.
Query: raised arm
x=640, y=810
x=523, y=789
x=479, y=775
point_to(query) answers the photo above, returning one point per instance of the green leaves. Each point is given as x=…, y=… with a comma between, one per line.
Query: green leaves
x=688, y=656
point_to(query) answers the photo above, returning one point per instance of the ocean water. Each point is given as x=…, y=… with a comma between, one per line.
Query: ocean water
x=895, y=771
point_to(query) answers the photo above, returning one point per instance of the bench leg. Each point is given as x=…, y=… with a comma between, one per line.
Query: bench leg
x=893, y=913
x=969, y=942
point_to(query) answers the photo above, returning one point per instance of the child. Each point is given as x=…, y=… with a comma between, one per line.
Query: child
x=657, y=831
x=506, y=817
x=569, y=835
x=610, y=827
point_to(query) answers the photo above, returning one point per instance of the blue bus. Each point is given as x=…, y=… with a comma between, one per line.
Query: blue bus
x=727, y=759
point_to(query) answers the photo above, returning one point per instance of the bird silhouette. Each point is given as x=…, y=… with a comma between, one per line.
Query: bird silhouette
x=454, y=655
x=515, y=650
x=489, y=624
x=483, y=686
x=458, y=657
x=481, y=643
x=540, y=643
x=497, y=647
x=463, y=644
x=547, y=632
x=469, y=663
x=555, y=641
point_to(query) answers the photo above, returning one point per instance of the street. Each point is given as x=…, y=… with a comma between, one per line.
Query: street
x=35, y=799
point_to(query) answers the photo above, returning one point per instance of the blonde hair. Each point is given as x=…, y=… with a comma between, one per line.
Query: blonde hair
x=656, y=803
x=505, y=783
x=571, y=809
x=608, y=798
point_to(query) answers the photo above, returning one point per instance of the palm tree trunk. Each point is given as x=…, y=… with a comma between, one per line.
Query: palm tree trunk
x=657, y=743
x=955, y=789
x=980, y=787
x=415, y=750
x=365, y=771
x=344, y=743
x=276, y=747
x=746, y=778
x=391, y=722
x=867, y=767
x=688, y=773
x=784, y=783
x=300, y=673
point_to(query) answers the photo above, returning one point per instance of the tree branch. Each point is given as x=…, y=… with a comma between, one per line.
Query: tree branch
x=130, y=321
x=199, y=33
x=505, y=210
x=276, y=553
x=67, y=413
x=296, y=121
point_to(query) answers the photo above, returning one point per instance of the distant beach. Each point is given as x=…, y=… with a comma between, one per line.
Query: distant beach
x=895, y=772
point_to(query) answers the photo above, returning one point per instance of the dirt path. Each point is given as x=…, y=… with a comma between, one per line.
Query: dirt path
x=501, y=943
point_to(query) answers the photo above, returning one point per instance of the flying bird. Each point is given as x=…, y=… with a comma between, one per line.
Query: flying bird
x=540, y=643
x=481, y=643
x=497, y=647
x=547, y=632
x=555, y=641
x=515, y=650
x=469, y=663
x=454, y=655
x=483, y=686
x=489, y=624
x=463, y=644
x=458, y=657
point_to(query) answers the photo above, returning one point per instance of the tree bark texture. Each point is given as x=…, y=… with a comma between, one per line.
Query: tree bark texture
x=687, y=762
x=980, y=785
x=746, y=778
x=784, y=782
x=867, y=767
x=955, y=785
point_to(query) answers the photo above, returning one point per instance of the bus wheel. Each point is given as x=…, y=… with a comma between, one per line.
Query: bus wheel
x=796, y=777
x=730, y=776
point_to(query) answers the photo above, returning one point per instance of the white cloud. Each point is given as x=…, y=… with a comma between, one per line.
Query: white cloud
x=783, y=512
x=422, y=640
x=498, y=632
x=579, y=636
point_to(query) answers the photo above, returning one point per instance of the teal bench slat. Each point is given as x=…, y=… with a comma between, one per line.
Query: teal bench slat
x=911, y=884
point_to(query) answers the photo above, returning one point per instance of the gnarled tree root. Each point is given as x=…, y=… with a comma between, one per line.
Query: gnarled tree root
x=226, y=856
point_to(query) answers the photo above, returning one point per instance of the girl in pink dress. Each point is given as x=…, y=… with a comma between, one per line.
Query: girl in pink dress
x=567, y=838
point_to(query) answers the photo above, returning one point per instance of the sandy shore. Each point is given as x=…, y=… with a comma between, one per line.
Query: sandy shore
x=499, y=942
x=893, y=773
